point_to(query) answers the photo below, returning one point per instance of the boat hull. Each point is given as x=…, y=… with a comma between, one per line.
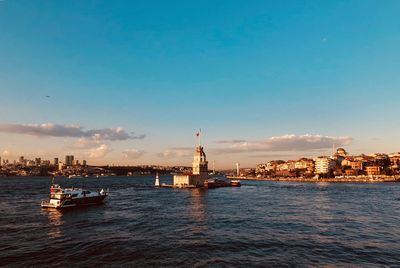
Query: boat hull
x=235, y=184
x=75, y=202
x=210, y=184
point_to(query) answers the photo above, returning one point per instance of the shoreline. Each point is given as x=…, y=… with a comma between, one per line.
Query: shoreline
x=313, y=180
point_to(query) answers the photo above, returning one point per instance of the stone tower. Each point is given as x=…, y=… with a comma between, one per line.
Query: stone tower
x=200, y=163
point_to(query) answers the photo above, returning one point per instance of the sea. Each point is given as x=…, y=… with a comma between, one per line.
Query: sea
x=261, y=224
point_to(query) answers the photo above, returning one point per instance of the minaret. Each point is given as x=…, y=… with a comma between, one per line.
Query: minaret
x=213, y=167
x=238, y=169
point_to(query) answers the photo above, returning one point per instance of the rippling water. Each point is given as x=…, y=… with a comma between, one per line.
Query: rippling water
x=259, y=224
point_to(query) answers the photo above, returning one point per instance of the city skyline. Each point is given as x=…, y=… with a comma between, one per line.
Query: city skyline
x=131, y=83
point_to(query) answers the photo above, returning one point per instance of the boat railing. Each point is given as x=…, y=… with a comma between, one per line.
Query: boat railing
x=45, y=202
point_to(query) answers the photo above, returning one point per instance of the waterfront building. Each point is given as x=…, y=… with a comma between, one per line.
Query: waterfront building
x=352, y=172
x=261, y=168
x=270, y=166
x=282, y=167
x=324, y=165
x=273, y=165
x=291, y=164
x=199, y=170
x=395, y=162
x=69, y=159
x=356, y=165
x=21, y=160
x=76, y=162
x=55, y=163
x=38, y=161
x=304, y=163
x=84, y=163
x=373, y=170
x=381, y=160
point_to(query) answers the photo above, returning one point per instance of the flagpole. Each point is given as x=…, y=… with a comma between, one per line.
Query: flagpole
x=200, y=137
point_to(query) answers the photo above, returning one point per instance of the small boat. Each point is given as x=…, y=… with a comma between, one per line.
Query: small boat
x=73, y=176
x=72, y=197
x=235, y=183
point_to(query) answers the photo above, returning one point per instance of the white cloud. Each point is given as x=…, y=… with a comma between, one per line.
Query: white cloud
x=83, y=143
x=230, y=141
x=133, y=153
x=176, y=152
x=98, y=152
x=285, y=143
x=76, y=131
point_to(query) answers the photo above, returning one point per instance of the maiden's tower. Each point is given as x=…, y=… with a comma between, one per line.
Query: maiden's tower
x=199, y=172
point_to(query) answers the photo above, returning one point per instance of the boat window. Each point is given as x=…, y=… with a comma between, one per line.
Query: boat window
x=74, y=195
x=56, y=196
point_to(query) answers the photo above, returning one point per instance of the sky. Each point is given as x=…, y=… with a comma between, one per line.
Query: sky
x=131, y=82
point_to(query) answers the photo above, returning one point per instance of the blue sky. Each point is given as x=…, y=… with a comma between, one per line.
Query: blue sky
x=240, y=70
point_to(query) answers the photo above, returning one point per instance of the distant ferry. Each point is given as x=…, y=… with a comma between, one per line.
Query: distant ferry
x=216, y=183
x=72, y=197
x=73, y=176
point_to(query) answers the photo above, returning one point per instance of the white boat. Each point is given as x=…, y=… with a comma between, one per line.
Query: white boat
x=236, y=183
x=72, y=197
x=73, y=176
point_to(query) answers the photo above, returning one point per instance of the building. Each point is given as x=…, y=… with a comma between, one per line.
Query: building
x=282, y=167
x=76, y=162
x=373, y=170
x=55, y=161
x=45, y=163
x=356, y=165
x=21, y=160
x=324, y=165
x=352, y=172
x=347, y=162
x=199, y=171
x=38, y=161
x=291, y=164
x=61, y=165
x=304, y=163
x=69, y=159
x=84, y=163
x=341, y=152
x=395, y=161
x=270, y=166
x=381, y=160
